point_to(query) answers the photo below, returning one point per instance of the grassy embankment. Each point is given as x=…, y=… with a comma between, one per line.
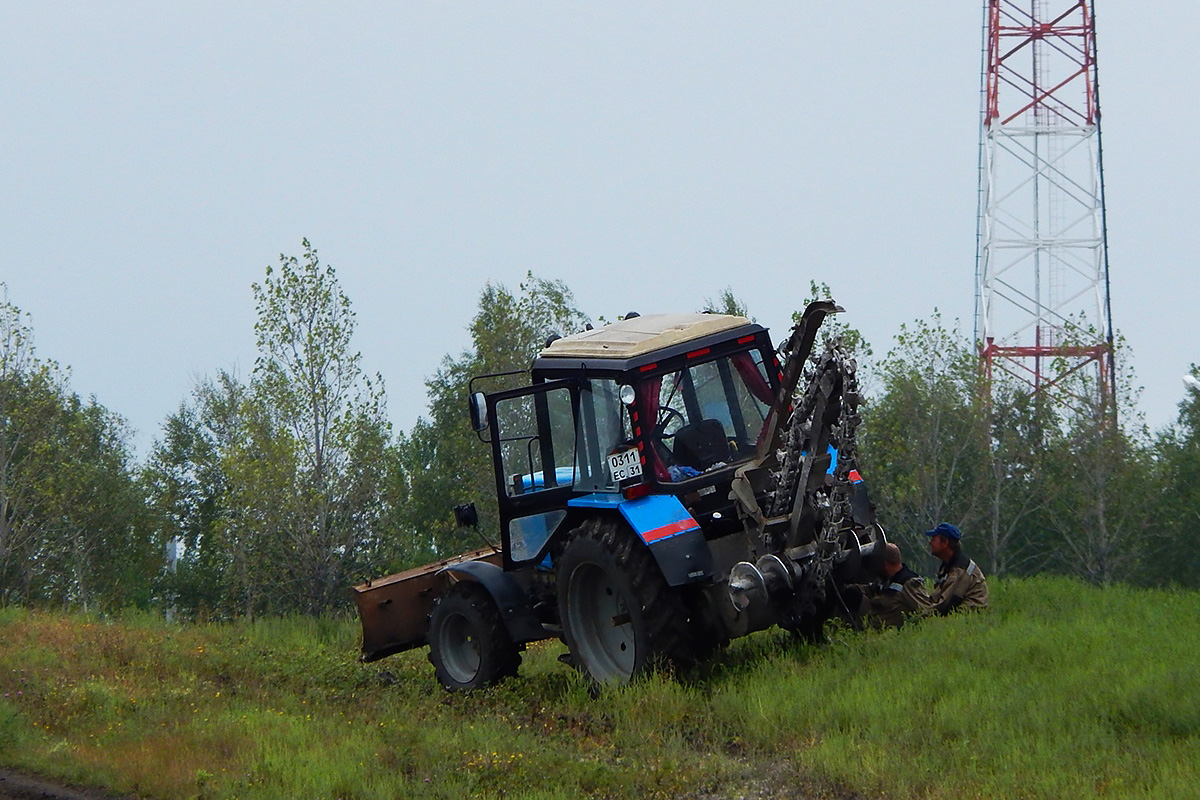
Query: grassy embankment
x=1060, y=691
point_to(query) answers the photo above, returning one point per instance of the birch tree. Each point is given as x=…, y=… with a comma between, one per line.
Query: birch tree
x=71, y=524
x=1106, y=482
x=313, y=408
x=1178, y=557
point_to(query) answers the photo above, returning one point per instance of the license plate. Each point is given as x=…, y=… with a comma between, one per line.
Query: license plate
x=624, y=465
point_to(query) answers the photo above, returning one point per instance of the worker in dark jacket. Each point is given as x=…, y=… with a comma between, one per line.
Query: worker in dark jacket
x=887, y=602
x=901, y=591
x=960, y=582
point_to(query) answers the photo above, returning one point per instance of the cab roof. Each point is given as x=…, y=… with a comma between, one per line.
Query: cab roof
x=629, y=338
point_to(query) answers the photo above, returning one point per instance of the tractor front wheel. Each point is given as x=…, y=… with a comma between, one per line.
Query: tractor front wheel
x=469, y=646
x=619, y=616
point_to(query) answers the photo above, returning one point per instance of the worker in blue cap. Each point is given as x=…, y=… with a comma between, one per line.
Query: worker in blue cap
x=960, y=582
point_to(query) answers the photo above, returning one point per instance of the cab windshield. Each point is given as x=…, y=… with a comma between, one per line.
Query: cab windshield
x=707, y=416
x=602, y=428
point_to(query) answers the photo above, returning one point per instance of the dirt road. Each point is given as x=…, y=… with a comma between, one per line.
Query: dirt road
x=21, y=786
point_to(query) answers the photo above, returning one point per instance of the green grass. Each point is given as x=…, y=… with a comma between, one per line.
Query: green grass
x=1061, y=690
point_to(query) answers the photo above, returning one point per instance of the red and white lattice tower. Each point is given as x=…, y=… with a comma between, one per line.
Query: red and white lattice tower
x=1042, y=310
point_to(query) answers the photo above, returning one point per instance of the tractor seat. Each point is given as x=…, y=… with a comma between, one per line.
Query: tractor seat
x=701, y=444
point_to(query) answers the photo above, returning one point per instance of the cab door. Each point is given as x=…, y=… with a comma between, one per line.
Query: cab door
x=534, y=458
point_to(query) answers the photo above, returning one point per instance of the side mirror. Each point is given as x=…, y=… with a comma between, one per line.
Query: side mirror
x=478, y=405
x=466, y=516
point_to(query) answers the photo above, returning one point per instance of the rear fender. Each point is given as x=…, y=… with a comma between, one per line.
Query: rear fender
x=519, y=617
x=673, y=536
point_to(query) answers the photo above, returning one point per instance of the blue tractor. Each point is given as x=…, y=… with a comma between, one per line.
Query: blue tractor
x=664, y=484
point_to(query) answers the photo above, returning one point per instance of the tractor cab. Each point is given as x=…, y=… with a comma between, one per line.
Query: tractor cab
x=666, y=404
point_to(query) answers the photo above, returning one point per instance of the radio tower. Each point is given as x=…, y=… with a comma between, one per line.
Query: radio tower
x=1042, y=308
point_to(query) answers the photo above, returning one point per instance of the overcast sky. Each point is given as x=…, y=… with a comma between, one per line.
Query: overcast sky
x=156, y=157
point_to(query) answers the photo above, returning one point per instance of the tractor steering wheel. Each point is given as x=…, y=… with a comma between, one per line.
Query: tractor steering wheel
x=667, y=415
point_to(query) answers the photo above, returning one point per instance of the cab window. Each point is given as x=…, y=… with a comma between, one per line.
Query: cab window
x=707, y=415
x=603, y=428
x=537, y=441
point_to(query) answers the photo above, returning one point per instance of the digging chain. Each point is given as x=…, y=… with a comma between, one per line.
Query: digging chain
x=831, y=381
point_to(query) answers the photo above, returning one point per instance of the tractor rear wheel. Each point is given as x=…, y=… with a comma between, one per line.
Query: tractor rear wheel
x=469, y=646
x=620, y=619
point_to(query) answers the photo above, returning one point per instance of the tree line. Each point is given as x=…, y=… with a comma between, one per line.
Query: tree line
x=274, y=493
